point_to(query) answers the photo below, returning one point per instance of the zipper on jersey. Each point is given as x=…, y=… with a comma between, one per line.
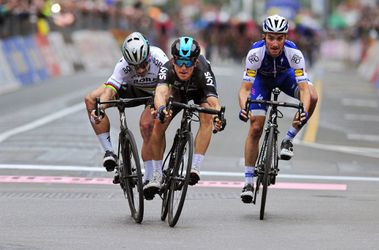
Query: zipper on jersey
x=274, y=67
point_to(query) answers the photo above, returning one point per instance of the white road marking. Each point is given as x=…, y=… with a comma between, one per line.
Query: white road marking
x=204, y=173
x=360, y=102
x=42, y=121
x=363, y=137
x=365, y=151
x=361, y=118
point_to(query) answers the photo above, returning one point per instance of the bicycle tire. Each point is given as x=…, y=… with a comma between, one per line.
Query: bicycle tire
x=267, y=168
x=180, y=178
x=131, y=176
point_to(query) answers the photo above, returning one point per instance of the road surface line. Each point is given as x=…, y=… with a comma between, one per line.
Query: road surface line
x=203, y=173
x=216, y=184
x=42, y=121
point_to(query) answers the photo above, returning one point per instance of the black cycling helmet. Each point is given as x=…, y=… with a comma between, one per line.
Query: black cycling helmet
x=185, y=48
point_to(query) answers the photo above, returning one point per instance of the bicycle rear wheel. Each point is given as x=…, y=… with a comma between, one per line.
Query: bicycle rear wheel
x=131, y=176
x=267, y=168
x=180, y=178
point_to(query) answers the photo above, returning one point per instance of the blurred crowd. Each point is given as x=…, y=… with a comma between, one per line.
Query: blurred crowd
x=224, y=36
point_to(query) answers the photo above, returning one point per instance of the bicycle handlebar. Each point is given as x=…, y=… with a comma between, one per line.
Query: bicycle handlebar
x=121, y=103
x=299, y=106
x=195, y=107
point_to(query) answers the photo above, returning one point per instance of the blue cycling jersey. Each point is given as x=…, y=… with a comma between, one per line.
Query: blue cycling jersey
x=266, y=72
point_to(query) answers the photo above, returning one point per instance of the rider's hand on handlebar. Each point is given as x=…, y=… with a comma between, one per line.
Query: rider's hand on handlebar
x=303, y=119
x=97, y=118
x=162, y=113
x=219, y=125
x=243, y=115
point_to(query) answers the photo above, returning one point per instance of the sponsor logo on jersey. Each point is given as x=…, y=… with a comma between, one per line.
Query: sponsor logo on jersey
x=296, y=59
x=209, y=78
x=143, y=80
x=253, y=58
x=162, y=73
x=299, y=72
x=251, y=72
x=157, y=62
x=127, y=69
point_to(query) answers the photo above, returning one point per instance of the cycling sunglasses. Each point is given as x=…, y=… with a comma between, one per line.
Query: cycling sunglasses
x=186, y=62
x=142, y=65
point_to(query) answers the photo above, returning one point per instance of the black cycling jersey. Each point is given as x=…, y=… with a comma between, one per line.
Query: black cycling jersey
x=198, y=88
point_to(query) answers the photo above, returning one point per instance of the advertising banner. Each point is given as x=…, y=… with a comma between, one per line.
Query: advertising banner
x=48, y=55
x=19, y=62
x=7, y=80
x=37, y=61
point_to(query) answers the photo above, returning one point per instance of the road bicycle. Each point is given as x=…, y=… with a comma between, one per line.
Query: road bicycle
x=176, y=174
x=129, y=165
x=267, y=163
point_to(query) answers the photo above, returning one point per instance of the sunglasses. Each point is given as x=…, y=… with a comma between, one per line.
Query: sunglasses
x=142, y=65
x=185, y=62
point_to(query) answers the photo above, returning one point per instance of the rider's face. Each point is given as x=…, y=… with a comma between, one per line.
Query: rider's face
x=275, y=43
x=141, y=69
x=183, y=72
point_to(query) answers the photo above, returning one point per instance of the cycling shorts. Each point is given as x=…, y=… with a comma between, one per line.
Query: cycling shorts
x=263, y=86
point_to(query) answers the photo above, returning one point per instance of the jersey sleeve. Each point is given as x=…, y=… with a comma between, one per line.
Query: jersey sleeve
x=116, y=79
x=297, y=63
x=165, y=74
x=208, y=78
x=252, y=64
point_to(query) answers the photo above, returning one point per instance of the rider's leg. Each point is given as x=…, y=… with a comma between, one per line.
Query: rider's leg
x=102, y=129
x=146, y=128
x=157, y=141
x=251, y=155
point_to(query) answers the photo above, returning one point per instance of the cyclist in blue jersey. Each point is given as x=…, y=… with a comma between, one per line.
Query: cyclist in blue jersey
x=272, y=62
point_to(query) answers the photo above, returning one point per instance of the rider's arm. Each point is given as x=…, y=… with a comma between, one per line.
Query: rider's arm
x=162, y=93
x=305, y=95
x=213, y=102
x=108, y=94
x=244, y=93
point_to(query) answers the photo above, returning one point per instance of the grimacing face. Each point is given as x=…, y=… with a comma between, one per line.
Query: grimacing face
x=274, y=43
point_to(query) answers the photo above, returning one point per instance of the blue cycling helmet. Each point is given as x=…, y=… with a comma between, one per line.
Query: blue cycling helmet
x=185, y=48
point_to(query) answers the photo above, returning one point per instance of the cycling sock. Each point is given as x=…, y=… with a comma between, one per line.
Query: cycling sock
x=249, y=174
x=291, y=133
x=157, y=166
x=105, y=141
x=197, y=161
x=148, y=166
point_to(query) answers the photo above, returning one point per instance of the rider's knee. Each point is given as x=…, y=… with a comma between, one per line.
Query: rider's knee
x=256, y=131
x=88, y=100
x=146, y=129
x=314, y=97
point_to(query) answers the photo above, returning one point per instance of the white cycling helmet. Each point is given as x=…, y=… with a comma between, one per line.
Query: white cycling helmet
x=135, y=48
x=275, y=24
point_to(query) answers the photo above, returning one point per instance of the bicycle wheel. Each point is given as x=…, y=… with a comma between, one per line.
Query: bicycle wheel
x=166, y=179
x=131, y=176
x=180, y=178
x=267, y=168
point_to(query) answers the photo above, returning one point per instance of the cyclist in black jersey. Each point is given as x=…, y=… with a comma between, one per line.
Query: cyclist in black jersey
x=187, y=76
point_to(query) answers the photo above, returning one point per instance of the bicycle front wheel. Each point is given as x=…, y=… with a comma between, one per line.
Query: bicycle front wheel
x=131, y=176
x=180, y=178
x=268, y=159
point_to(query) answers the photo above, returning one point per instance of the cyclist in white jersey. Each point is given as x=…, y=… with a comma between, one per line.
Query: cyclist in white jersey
x=135, y=75
x=272, y=62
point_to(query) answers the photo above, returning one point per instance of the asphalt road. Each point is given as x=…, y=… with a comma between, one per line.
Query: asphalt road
x=55, y=195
